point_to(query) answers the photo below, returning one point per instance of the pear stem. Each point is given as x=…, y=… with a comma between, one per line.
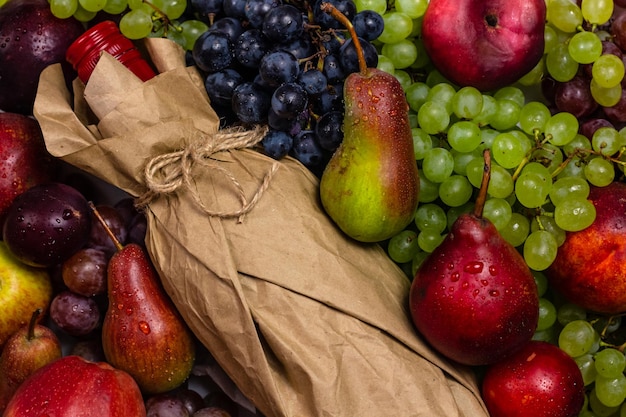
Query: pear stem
x=31, y=325
x=484, y=184
x=341, y=18
x=107, y=229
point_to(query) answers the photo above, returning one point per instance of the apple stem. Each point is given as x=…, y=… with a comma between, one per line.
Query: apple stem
x=484, y=184
x=107, y=229
x=341, y=18
x=31, y=325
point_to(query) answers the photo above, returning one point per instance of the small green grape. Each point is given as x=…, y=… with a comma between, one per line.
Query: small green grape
x=416, y=95
x=577, y=338
x=540, y=250
x=455, y=190
x=573, y=214
x=422, y=143
x=467, y=102
x=464, y=136
x=516, y=230
x=547, y=314
x=599, y=172
x=403, y=246
x=438, y=164
x=431, y=216
x=585, y=47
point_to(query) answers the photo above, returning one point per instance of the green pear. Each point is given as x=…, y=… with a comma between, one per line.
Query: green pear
x=370, y=185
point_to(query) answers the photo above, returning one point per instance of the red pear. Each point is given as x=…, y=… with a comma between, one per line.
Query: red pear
x=474, y=298
x=590, y=266
x=143, y=332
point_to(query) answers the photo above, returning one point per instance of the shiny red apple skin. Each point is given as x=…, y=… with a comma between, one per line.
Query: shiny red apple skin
x=74, y=387
x=24, y=160
x=590, y=266
x=486, y=44
x=540, y=380
x=32, y=38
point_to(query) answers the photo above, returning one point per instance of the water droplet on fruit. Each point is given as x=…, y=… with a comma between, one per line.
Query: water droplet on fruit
x=476, y=292
x=451, y=266
x=465, y=285
x=144, y=327
x=474, y=267
x=129, y=311
x=67, y=214
x=494, y=293
x=484, y=282
x=455, y=276
x=493, y=270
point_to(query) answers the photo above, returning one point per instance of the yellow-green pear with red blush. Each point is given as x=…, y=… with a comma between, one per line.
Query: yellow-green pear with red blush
x=370, y=186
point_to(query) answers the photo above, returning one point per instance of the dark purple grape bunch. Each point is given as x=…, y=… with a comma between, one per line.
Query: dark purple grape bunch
x=284, y=65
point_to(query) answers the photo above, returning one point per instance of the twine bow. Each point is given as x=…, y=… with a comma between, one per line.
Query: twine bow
x=166, y=173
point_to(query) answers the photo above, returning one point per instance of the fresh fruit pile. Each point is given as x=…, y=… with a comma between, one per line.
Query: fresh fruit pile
x=555, y=131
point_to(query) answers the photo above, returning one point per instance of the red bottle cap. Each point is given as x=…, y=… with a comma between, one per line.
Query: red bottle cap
x=84, y=53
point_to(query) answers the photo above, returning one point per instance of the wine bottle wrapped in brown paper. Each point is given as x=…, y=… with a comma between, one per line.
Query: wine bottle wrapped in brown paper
x=306, y=321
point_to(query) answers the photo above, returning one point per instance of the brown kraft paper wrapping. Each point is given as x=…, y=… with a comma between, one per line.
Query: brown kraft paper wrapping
x=306, y=321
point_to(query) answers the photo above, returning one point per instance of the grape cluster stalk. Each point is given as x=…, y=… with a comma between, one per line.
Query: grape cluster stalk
x=558, y=131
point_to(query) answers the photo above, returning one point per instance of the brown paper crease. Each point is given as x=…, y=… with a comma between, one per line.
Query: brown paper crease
x=304, y=320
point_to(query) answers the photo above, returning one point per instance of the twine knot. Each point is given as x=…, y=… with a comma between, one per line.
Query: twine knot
x=166, y=173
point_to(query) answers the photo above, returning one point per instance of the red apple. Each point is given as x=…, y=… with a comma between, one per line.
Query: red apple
x=32, y=38
x=74, y=387
x=487, y=44
x=590, y=266
x=540, y=380
x=24, y=160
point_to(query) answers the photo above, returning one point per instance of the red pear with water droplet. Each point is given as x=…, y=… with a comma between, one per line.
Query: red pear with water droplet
x=143, y=333
x=474, y=298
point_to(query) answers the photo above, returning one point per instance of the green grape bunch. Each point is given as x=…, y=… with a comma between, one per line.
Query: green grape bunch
x=138, y=18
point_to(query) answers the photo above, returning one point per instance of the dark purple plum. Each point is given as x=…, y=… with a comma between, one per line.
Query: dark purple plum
x=85, y=272
x=46, y=224
x=32, y=39
x=75, y=314
x=90, y=349
x=166, y=405
x=192, y=400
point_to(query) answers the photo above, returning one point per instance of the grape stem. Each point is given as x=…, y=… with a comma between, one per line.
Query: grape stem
x=341, y=18
x=484, y=184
